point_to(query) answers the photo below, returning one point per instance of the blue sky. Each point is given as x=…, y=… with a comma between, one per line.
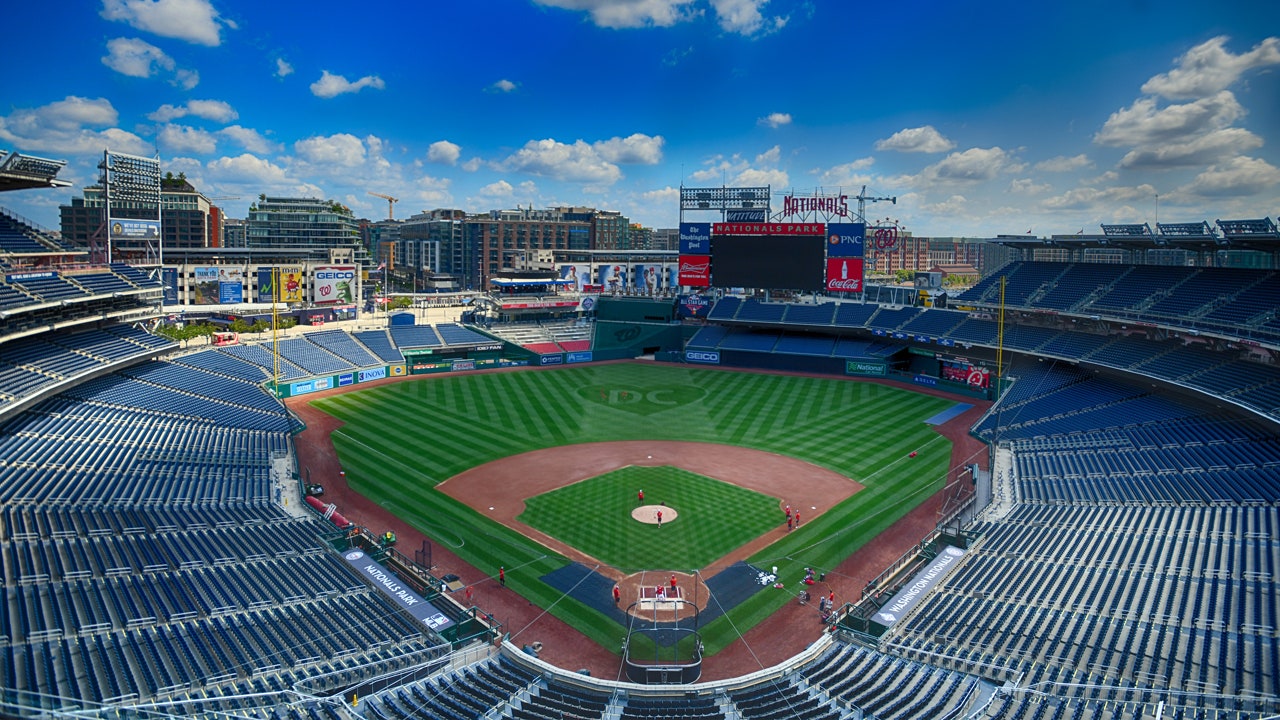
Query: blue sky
x=981, y=118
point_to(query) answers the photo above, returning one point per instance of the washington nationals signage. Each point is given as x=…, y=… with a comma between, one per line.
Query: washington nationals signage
x=837, y=205
x=768, y=228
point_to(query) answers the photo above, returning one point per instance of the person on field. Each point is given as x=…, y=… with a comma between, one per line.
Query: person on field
x=617, y=594
x=640, y=497
x=502, y=576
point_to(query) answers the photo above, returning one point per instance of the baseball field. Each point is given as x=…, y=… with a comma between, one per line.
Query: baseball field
x=401, y=442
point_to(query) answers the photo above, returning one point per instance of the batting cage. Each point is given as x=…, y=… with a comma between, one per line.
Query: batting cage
x=663, y=645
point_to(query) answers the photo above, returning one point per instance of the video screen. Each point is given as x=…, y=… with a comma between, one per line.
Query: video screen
x=790, y=262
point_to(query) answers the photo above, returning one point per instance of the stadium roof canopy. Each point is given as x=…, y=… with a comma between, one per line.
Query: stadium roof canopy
x=1261, y=235
x=22, y=172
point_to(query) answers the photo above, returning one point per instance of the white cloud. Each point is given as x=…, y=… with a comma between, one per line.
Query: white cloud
x=667, y=196
x=330, y=85
x=1208, y=68
x=1143, y=124
x=444, y=152
x=635, y=149
x=194, y=21
x=1240, y=176
x=1197, y=152
x=342, y=149
x=472, y=165
x=504, y=86
x=846, y=174
x=283, y=68
x=1086, y=197
x=630, y=13
x=62, y=128
x=431, y=191
x=919, y=139
x=775, y=120
x=1027, y=186
x=250, y=140
x=744, y=17
x=755, y=177
x=248, y=169
x=215, y=110
x=499, y=189
x=737, y=172
x=1063, y=163
x=770, y=156
x=138, y=58
x=182, y=138
x=135, y=58
x=578, y=162
x=972, y=165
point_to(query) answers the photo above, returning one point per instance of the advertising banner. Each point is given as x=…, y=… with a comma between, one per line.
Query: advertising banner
x=919, y=586
x=979, y=377
x=864, y=367
x=554, y=359
x=578, y=357
x=291, y=284
x=672, y=273
x=613, y=277
x=707, y=357
x=400, y=595
x=372, y=374
x=695, y=238
x=693, y=306
x=169, y=280
x=570, y=275
x=230, y=285
x=844, y=274
x=745, y=215
x=695, y=271
x=134, y=229
x=204, y=286
x=846, y=240
x=266, y=284
x=334, y=283
x=648, y=278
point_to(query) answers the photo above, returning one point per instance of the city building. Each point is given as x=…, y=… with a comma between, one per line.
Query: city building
x=303, y=223
x=188, y=220
x=498, y=239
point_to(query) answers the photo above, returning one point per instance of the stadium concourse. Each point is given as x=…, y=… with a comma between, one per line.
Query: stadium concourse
x=157, y=558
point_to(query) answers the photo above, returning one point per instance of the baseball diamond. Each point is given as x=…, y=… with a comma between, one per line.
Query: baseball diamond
x=456, y=459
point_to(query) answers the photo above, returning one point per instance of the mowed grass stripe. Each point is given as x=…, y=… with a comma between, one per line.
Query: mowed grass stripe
x=595, y=516
x=859, y=429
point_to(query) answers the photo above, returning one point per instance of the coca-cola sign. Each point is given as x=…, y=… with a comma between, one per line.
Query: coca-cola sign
x=844, y=275
x=695, y=270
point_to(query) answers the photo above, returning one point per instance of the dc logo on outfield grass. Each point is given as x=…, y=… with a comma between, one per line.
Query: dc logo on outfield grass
x=643, y=400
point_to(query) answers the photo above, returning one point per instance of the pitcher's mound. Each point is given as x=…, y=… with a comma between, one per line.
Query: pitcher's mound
x=648, y=514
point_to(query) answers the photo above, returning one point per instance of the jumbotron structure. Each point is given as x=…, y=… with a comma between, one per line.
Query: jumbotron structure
x=159, y=560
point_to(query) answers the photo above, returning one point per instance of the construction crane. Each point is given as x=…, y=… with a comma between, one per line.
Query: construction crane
x=391, y=204
x=863, y=199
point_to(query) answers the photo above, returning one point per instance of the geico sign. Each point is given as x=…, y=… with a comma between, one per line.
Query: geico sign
x=702, y=356
x=335, y=275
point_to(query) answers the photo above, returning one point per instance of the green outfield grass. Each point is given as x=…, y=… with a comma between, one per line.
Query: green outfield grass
x=401, y=439
x=594, y=516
